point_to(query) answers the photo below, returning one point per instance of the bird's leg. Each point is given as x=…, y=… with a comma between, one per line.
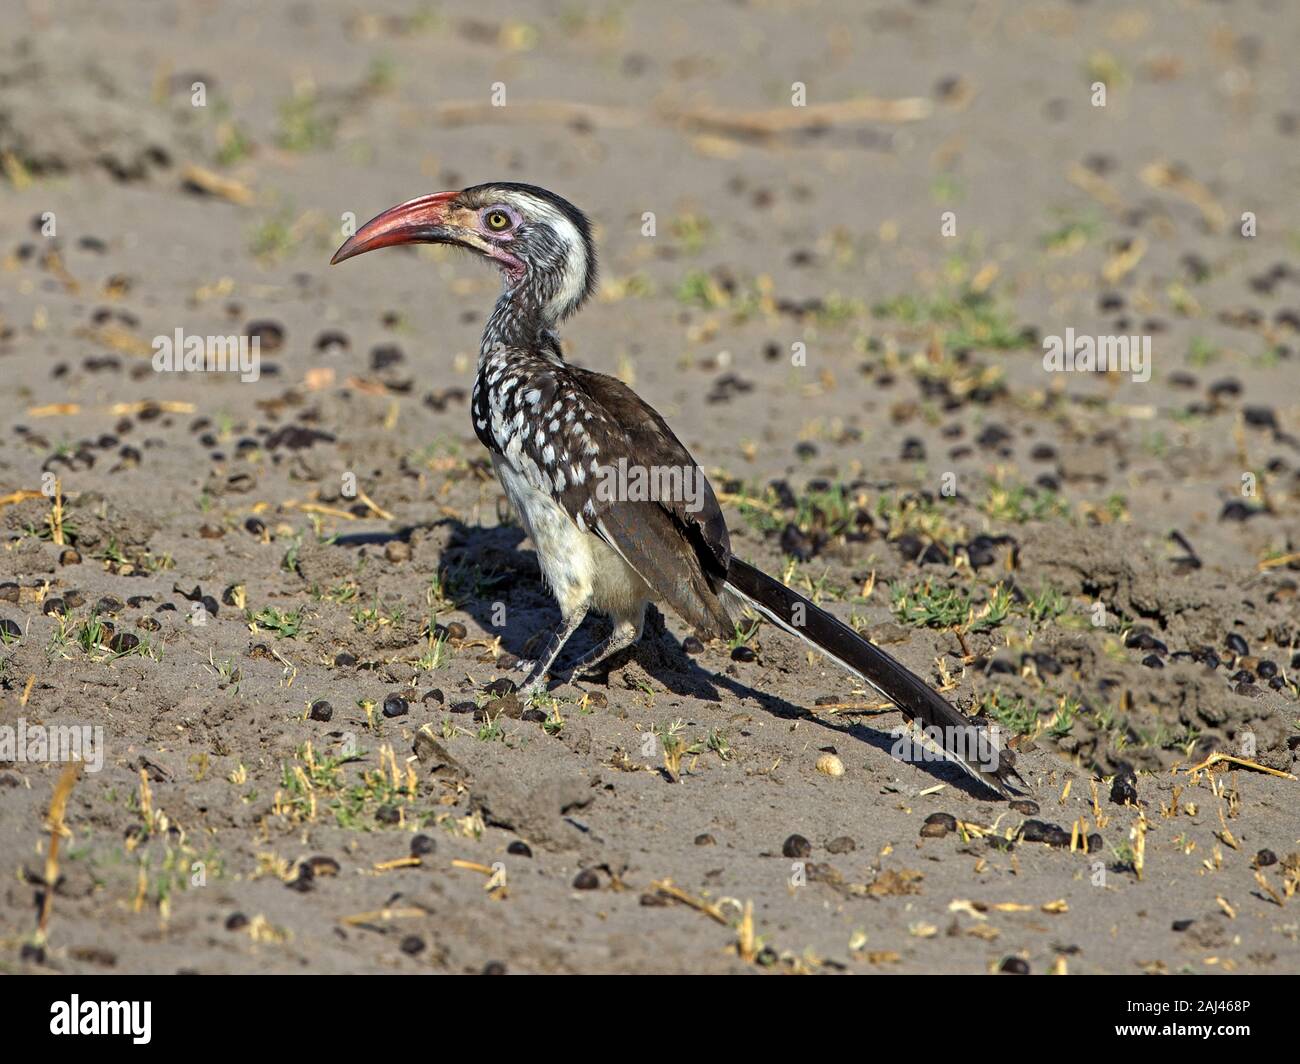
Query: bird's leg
x=625, y=633
x=537, y=673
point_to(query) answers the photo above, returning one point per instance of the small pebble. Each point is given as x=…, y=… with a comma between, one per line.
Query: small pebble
x=123, y=643
x=269, y=334
x=830, y=765
x=321, y=711
x=1123, y=790
x=937, y=825
x=1207, y=656
x=322, y=865
x=421, y=845
x=586, y=880
x=519, y=848
x=1040, y=831
x=796, y=846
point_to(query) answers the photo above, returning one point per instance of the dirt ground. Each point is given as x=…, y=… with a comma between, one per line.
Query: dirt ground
x=304, y=769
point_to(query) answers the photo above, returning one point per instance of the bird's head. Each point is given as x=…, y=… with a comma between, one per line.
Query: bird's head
x=541, y=243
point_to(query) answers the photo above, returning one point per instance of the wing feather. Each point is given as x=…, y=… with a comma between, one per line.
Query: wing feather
x=566, y=430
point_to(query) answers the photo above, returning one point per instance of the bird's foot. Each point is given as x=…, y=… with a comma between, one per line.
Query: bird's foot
x=603, y=661
x=534, y=681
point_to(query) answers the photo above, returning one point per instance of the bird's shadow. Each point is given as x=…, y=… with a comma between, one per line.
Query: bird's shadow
x=500, y=586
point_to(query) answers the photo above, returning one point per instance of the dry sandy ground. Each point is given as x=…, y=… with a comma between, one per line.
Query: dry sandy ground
x=645, y=824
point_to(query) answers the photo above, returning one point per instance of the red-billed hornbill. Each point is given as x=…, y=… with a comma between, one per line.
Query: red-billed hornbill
x=555, y=431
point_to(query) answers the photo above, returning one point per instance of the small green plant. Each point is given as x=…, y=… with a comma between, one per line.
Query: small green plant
x=113, y=552
x=302, y=125
x=1072, y=231
x=491, y=729
x=693, y=230
x=1014, y=714
x=1066, y=711
x=700, y=289
x=285, y=625
x=1020, y=503
x=928, y=605
x=742, y=634
x=1201, y=352
x=1046, y=605
x=437, y=655
x=377, y=615
x=90, y=634
x=717, y=742
x=968, y=318
x=1125, y=857
x=675, y=747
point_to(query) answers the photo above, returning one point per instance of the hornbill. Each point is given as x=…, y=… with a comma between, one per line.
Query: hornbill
x=555, y=431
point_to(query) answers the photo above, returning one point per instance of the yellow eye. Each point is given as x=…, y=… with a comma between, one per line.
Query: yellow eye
x=497, y=220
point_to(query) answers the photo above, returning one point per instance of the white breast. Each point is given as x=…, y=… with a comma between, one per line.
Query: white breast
x=563, y=550
x=578, y=566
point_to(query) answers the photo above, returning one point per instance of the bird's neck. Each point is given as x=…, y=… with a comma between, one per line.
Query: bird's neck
x=520, y=321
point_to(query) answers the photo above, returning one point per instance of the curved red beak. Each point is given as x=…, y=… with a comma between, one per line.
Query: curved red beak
x=418, y=221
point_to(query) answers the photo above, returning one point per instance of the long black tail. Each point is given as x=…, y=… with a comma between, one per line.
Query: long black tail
x=963, y=740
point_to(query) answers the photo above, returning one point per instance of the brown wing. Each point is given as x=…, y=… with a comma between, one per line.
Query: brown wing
x=678, y=540
x=616, y=468
x=648, y=438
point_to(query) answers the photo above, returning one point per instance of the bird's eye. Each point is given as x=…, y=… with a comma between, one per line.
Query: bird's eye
x=497, y=221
